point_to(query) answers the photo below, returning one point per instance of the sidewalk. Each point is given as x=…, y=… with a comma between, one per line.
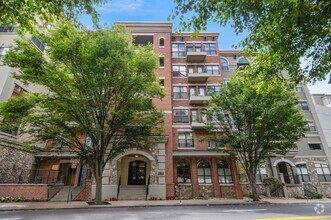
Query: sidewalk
x=142, y=203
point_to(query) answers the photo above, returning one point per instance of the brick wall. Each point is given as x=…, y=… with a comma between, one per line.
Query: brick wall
x=29, y=192
x=85, y=194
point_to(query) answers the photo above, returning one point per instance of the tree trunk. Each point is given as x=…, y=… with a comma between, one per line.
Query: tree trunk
x=252, y=183
x=98, y=180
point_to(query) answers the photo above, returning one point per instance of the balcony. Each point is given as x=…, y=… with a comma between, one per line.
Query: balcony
x=198, y=125
x=195, y=56
x=199, y=99
x=198, y=77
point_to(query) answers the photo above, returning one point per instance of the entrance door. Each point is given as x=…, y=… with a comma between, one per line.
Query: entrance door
x=137, y=173
x=66, y=174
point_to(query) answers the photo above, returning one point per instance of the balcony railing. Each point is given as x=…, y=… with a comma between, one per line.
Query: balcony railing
x=181, y=119
x=184, y=143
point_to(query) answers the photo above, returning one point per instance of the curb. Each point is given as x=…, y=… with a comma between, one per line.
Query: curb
x=156, y=205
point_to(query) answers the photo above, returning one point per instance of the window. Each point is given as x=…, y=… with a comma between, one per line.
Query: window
x=311, y=127
x=180, y=92
x=226, y=81
x=39, y=44
x=178, y=71
x=196, y=47
x=242, y=61
x=183, y=172
x=7, y=28
x=225, y=64
x=323, y=172
x=196, y=117
x=185, y=139
x=204, y=173
x=224, y=172
x=161, y=42
x=210, y=48
x=261, y=173
x=212, y=70
x=161, y=61
x=213, y=145
x=3, y=51
x=18, y=91
x=303, y=172
x=316, y=146
x=303, y=105
x=88, y=142
x=214, y=89
x=178, y=50
x=190, y=69
x=161, y=82
x=180, y=116
x=299, y=89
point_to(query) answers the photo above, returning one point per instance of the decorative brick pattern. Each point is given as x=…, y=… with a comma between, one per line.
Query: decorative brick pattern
x=29, y=192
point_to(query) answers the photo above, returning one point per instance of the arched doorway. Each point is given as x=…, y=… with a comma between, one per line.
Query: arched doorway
x=137, y=172
x=287, y=170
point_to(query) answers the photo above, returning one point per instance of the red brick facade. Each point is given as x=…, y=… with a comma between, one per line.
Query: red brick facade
x=27, y=192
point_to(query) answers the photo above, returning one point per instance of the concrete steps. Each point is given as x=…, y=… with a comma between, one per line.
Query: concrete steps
x=132, y=192
x=62, y=195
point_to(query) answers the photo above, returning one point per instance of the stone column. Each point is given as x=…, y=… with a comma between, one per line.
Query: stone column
x=214, y=174
x=194, y=175
x=237, y=188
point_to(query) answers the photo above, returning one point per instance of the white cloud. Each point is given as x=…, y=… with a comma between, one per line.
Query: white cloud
x=122, y=6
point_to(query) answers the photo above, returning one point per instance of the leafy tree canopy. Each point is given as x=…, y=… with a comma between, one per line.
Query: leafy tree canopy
x=24, y=13
x=286, y=30
x=98, y=84
x=255, y=119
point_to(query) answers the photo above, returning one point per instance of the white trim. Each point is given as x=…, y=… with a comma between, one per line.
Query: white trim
x=301, y=162
x=180, y=130
x=310, y=157
x=243, y=57
x=134, y=151
x=181, y=107
x=283, y=160
x=181, y=126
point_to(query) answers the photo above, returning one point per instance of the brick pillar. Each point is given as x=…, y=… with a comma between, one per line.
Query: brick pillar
x=237, y=188
x=214, y=175
x=194, y=175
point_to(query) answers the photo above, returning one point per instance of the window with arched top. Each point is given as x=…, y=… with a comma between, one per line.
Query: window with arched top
x=204, y=173
x=242, y=62
x=225, y=64
x=161, y=42
x=224, y=172
x=183, y=172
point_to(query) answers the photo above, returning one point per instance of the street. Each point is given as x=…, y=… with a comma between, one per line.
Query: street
x=232, y=212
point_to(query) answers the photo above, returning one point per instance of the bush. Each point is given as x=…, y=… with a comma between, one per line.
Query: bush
x=317, y=195
x=272, y=181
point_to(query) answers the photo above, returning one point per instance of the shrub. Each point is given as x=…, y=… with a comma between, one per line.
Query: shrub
x=272, y=181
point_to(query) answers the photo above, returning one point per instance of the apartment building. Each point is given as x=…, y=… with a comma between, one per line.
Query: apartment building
x=180, y=164
x=306, y=166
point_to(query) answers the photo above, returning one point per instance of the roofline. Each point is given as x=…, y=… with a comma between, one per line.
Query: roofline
x=200, y=33
x=148, y=23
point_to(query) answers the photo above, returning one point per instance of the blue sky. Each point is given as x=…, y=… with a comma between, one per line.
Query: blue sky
x=155, y=10
x=159, y=10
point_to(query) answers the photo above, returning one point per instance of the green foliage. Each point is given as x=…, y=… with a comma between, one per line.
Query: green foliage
x=97, y=83
x=24, y=13
x=11, y=199
x=316, y=195
x=255, y=119
x=272, y=181
x=286, y=30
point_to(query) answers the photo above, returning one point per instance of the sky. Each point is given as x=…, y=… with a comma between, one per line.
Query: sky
x=159, y=10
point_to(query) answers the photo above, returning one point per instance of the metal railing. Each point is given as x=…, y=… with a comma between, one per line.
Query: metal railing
x=35, y=176
x=118, y=187
x=147, y=186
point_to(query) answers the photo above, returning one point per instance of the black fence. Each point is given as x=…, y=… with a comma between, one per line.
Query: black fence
x=36, y=176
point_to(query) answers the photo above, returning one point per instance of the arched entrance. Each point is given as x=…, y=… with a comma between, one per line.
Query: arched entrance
x=287, y=171
x=137, y=172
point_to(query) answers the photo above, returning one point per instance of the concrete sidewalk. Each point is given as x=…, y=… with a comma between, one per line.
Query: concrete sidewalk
x=141, y=203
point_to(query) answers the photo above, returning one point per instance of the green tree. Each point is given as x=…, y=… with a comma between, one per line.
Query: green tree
x=99, y=84
x=286, y=30
x=24, y=13
x=254, y=120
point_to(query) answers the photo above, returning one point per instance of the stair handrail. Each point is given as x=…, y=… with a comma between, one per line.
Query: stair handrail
x=147, y=186
x=118, y=187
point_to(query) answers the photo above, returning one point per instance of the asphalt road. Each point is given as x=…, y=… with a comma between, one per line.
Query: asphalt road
x=227, y=212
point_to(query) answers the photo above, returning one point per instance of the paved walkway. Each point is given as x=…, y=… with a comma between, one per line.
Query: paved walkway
x=84, y=205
